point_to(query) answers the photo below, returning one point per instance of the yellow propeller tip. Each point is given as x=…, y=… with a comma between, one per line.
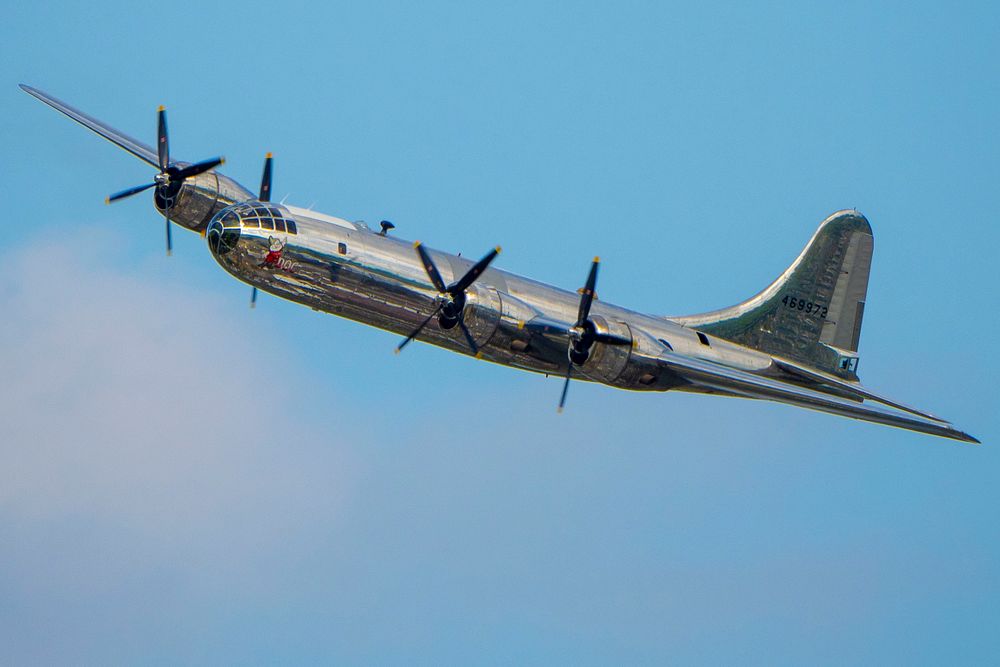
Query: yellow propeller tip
x=479, y=355
x=416, y=244
x=222, y=160
x=269, y=156
x=597, y=259
x=161, y=108
x=498, y=249
x=107, y=200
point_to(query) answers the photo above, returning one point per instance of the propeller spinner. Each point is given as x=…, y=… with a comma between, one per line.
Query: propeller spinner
x=171, y=177
x=451, y=297
x=584, y=333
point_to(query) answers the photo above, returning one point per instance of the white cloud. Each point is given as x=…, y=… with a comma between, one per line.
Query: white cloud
x=144, y=440
x=167, y=493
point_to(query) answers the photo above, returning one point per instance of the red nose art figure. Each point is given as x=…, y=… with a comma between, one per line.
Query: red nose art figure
x=274, y=251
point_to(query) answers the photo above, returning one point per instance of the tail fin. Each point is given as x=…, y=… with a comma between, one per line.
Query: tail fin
x=812, y=313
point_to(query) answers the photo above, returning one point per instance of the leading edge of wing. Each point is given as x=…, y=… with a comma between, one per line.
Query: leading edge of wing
x=715, y=376
x=133, y=146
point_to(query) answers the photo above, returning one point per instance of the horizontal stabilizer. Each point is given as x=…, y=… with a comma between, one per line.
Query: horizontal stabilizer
x=711, y=375
x=849, y=387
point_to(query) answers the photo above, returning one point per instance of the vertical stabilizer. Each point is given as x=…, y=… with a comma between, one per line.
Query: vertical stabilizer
x=812, y=313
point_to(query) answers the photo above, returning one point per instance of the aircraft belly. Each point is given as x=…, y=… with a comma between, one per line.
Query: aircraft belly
x=343, y=286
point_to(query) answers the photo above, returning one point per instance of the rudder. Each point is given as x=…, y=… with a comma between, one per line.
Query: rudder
x=812, y=313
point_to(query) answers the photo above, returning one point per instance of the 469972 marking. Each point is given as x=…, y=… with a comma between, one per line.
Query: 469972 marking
x=808, y=307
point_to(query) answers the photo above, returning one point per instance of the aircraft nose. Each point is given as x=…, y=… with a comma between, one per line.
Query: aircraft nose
x=223, y=232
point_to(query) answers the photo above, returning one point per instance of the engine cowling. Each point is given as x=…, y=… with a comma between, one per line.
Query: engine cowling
x=482, y=313
x=605, y=363
x=196, y=201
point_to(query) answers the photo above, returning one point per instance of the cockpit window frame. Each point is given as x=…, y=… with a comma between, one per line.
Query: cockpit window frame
x=259, y=216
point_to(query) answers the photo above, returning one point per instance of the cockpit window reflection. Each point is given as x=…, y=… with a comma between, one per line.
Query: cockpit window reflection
x=259, y=216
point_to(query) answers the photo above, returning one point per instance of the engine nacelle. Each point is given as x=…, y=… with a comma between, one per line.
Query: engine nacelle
x=482, y=313
x=607, y=362
x=199, y=198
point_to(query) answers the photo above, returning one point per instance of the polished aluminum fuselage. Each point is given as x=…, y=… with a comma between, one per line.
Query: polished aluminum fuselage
x=345, y=269
x=794, y=342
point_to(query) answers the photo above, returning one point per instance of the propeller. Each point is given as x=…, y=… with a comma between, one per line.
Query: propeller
x=265, y=195
x=265, y=179
x=451, y=297
x=584, y=333
x=171, y=177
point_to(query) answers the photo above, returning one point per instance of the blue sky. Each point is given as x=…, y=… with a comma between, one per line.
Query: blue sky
x=183, y=480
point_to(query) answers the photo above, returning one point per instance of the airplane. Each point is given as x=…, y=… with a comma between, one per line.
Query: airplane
x=794, y=342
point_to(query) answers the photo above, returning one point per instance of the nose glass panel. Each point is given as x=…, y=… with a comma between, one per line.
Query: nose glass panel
x=223, y=232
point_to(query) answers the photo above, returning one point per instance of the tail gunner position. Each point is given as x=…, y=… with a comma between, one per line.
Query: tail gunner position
x=795, y=342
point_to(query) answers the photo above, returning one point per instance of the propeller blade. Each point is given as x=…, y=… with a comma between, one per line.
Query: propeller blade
x=416, y=332
x=170, y=178
x=253, y=298
x=128, y=193
x=562, y=399
x=265, y=181
x=582, y=335
x=469, y=338
x=198, y=168
x=611, y=339
x=430, y=268
x=166, y=215
x=587, y=296
x=474, y=273
x=162, y=145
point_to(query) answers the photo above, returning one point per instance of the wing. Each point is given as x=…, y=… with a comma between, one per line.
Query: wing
x=136, y=148
x=723, y=378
